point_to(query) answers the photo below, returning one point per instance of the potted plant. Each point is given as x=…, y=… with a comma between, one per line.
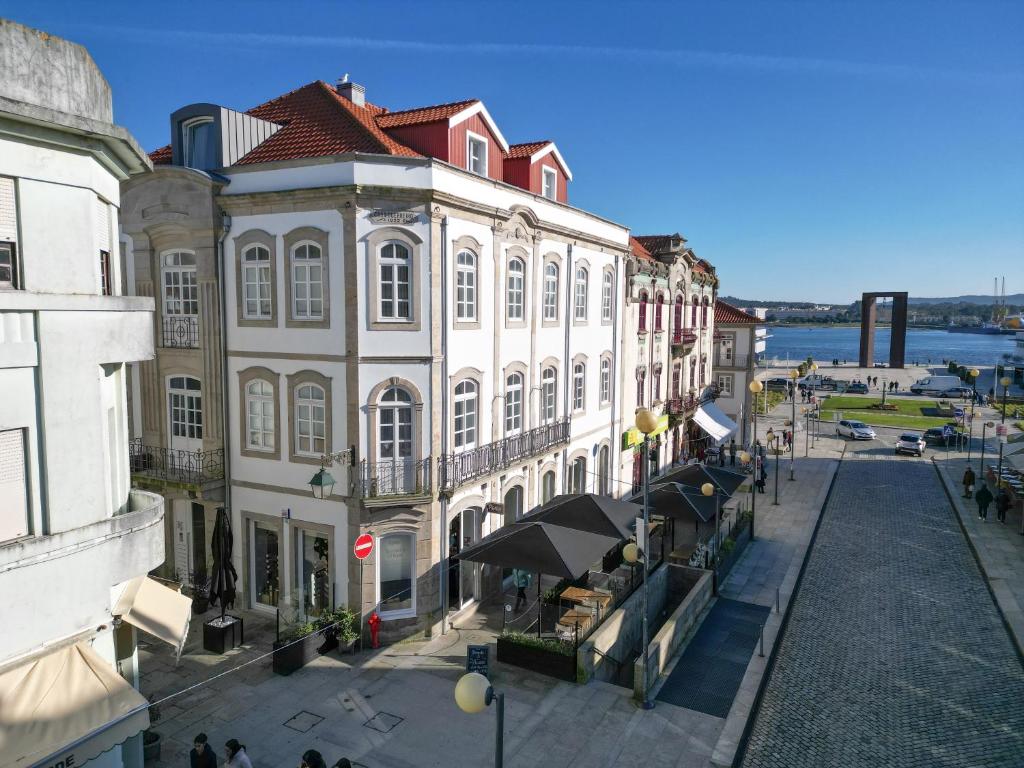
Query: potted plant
x=301, y=642
x=150, y=738
x=200, y=581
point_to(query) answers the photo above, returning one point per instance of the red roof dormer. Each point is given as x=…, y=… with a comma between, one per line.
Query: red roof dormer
x=538, y=166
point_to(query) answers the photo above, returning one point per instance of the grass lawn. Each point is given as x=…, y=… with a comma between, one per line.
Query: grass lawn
x=908, y=413
x=774, y=398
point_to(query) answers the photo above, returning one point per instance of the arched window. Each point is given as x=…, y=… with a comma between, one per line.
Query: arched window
x=704, y=312
x=578, y=475
x=395, y=295
x=310, y=420
x=465, y=414
x=548, y=408
x=514, y=299
x=465, y=286
x=604, y=471
x=641, y=385
x=551, y=292
x=256, y=283
x=513, y=404
x=658, y=302
x=185, y=405
x=394, y=424
x=677, y=375
x=580, y=312
x=181, y=293
x=641, y=323
x=677, y=318
x=656, y=382
x=579, y=383
x=607, y=295
x=606, y=380
x=200, y=143
x=693, y=312
x=259, y=409
x=547, y=486
x=307, y=282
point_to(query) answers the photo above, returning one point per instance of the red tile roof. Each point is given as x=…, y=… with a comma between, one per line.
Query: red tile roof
x=421, y=115
x=727, y=314
x=516, y=151
x=638, y=250
x=655, y=243
x=161, y=156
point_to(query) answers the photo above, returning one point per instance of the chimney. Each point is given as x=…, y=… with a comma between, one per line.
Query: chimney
x=351, y=91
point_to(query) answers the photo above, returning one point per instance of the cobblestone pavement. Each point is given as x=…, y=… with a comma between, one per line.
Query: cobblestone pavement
x=894, y=654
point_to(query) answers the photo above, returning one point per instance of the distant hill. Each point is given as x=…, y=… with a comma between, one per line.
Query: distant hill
x=1011, y=298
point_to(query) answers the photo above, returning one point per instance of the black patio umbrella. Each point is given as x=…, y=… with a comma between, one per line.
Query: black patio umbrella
x=696, y=475
x=223, y=578
x=541, y=547
x=684, y=502
x=589, y=512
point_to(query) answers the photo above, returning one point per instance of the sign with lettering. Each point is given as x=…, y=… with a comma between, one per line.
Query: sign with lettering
x=381, y=216
x=477, y=659
x=633, y=436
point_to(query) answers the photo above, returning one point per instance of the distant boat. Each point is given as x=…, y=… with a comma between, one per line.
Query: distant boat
x=986, y=328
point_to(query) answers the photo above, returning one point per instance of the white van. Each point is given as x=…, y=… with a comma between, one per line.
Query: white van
x=935, y=385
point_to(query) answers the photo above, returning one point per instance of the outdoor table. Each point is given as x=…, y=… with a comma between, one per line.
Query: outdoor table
x=575, y=617
x=580, y=595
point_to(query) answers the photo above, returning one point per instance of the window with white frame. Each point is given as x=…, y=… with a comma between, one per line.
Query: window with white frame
x=547, y=486
x=394, y=424
x=307, y=282
x=310, y=420
x=256, y=283
x=259, y=409
x=548, y=409
x=580, y=311
x=578, y=475
x=725, y=384
x=8, y=265
x=395, y=294
x=549, y=186
x=181, y=291
x=185, y=400
x=551, y=292
x=515, y=300
x=579, y=385
x=396, y=593
x=513, y=404
x=606, y=380
x=465, y=286
x=604, y=471
x=199, y=140
x=465, y=414
x=607, y=296
x=8, y=234
x=476, y=154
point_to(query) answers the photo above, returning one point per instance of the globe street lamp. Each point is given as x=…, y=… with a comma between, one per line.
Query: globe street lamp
x=1005, y=381
x=755, y=388
x=794, y=375
x=709, y=490
x=473, y=694
x=646, y=422
x=973, y=373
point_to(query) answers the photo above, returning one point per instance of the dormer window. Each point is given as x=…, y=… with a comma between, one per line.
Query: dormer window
x=200, y=143
x=476, y=153
x=549, y=187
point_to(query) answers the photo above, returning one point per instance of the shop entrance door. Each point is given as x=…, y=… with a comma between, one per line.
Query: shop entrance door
x=463, y=531
x=264, y=568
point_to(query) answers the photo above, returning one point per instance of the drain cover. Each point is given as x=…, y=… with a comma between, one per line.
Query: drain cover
x=303, y=721
x=383, y=722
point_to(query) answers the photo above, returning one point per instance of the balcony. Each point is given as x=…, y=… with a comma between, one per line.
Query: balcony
x=741, y=362
x=385, y=480
x=154, y=466
x=180, y=332
x=457, y=469
x=683, y=340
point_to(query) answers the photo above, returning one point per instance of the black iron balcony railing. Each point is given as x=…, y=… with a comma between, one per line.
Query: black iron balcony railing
x=456, y=469
x=175, y=465
x=736, y=361
x=396, y=477
x=181, y=331
x=682, y=339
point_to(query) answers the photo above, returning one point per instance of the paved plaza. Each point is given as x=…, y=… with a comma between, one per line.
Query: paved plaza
x=894, y=653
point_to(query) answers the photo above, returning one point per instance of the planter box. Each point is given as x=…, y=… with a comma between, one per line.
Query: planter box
x=548, y=663
x=291, y=655
x=727, y=562
x=218, y=638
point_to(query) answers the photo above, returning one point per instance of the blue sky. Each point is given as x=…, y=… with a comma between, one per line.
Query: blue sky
x=810, y=150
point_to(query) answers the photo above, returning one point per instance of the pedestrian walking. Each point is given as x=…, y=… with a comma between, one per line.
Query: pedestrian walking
x=236, y=755
x=1002, y=504
x=312, y=759
x=201, y=755
x=522, y=580
x=984, y=498
x=968, y=482
x=732, y=452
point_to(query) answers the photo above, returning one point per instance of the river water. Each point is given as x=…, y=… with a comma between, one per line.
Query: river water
x=923, y=345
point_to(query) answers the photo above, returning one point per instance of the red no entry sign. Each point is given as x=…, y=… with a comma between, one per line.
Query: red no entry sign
x=363, y=546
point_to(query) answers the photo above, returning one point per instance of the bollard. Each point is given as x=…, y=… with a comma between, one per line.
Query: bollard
x=777, y=600
x=761, y=652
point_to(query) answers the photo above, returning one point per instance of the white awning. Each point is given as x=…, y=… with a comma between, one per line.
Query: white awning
x=150, y=606
x=710, y=418
x=66, y=708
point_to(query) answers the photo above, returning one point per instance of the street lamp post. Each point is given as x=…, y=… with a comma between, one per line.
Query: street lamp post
x=709, y=490
x=1005, y=381
x=646, y=422
x=973, y=373
x=794, y=375
x=981, y=461
x=755, y=387
x=772, y=438
x=807, y=430
x=473, y=694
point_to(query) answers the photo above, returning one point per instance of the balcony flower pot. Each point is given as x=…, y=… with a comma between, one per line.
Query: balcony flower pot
x=150, y=746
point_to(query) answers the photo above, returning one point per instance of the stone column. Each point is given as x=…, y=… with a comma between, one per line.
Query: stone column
x=898, y=343
x=867, y=330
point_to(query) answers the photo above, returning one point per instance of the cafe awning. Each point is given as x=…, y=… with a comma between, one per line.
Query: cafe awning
x=162, y=612
x=710, y=418
x=66, y=708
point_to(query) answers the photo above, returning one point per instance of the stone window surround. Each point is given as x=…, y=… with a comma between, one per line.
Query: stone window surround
x=292, y=240
x=577, y=360
x=523, y=371
x=611, y=315
x=606, y=356
x=576, y=267
x=694, y=312
x=404, y=613
x=325, y=530
x=477, y=377
x=543, y=468
x=295, y=380
x=472, y=245
x=375, y=240
x=373, y=409
x=556, y=259
x=245, y=377
x=579, y=453
x=731, y=378
x=520, y=253
x=243, y=241
x=720, y=359
x=682, y=312
x=551, y=362
x=658, y=312
x=604, y=444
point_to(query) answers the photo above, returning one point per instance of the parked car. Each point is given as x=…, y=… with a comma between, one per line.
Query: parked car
x=816, y=382
x=937, y=436
x=911, y=443
x=778, y=385
x=857, y=430
x=857, y=388
x=958, y=392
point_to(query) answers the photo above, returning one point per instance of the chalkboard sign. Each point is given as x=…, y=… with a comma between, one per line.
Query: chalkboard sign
x=476, y=659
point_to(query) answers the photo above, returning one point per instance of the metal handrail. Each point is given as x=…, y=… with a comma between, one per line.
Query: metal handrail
x=175, y=464
x=181, y=331
x=397, y=477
